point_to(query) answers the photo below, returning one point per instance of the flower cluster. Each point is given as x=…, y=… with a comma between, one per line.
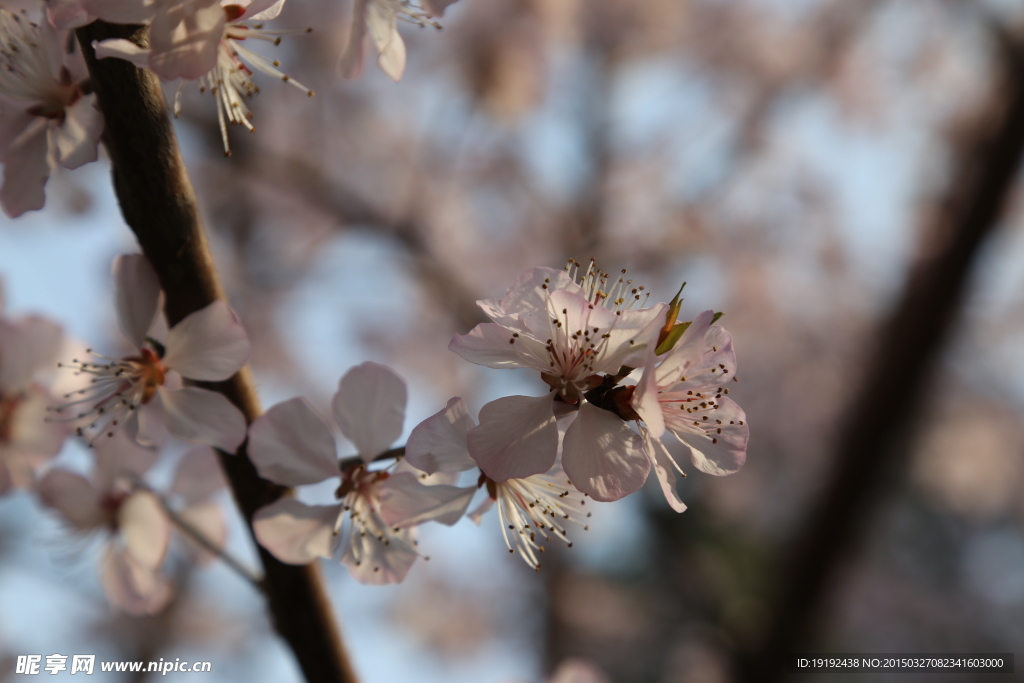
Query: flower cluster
x=621, y=374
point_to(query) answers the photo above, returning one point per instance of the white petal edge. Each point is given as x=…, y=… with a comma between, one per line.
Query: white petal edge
x=291, y=445
x=296, y=533
x=370, y=408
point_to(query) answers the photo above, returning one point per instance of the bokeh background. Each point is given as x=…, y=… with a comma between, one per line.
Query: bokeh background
x=791, y=160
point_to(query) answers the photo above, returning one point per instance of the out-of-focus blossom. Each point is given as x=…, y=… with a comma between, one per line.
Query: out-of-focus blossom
x=684, y=392
x=136, y=531
x=533, y=508
x=27, y=347
x=197, y=479
x=577, y=671
x=579, y=336
x=291, y=445
x=376, y=22
x=142, y=393
x=46, y=120
x=203, y=40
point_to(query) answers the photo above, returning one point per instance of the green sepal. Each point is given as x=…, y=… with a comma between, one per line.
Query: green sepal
x=716, y=317
x=670, y=340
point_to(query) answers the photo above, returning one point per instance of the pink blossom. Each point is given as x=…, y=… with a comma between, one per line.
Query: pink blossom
x=293, y=446
x=203, y=40
x=197, y=479
x=685, y=393
x=142, y=393
x=46, y=120
x=533, y=508
x=376, y=22
x=579, y=336
x=130, y=520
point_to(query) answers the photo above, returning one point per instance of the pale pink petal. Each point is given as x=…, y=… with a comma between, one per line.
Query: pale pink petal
x=130, y=586
x=633, y=334
x=120, y=457
x=73, y=497
x=296, y=533
x=370, y=408
x=405, y=502
x=645, y=398
x=351, y=64
x=666, y=469
x=527, y=297
x=603, y=457
x=517, y=437
x=67, y=14
x=438, y=444
x=373, y=562
x=480, y=510
x=263, y=10
x=718, y=444
x=32, y=441
x=27, y=347
x=209, y=345
x=291, y=445
x=494, y=346
x=121, y=48
x=687, y=351
x=380, y=20
x=184, y=38
x=200, y=416
x=138, y=296
x=448, y=478
x=79, y=135
x=144, y=528
x=26, y=170
x=208, y=520
x=198, y=475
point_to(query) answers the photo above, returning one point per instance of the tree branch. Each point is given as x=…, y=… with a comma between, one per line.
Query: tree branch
x=159, y=205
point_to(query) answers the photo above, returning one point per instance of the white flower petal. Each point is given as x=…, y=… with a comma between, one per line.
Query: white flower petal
x=713, y=451
x=370, y=408
x=493, y=346
x=296, y=533
x=144, y=528
x=666, y=469
x=27, y=347
x=122, y=11
x=130, y=586
x=291, y=445
x=645, y=398
x=120, y=457
x=405, y=502
x=122, y=48
x=351, y=64
x=184, y=38
x=380, y=20
x=198, y=475
x=73, y=497
x=27, y=167
x=480, y=510
x=438, y=444
x=263, y=10
x=138, y=296
x=208, y=345
x=603, y=457
x=372, y=562
x=200, y=416
x=517, y=437
x=78, y=136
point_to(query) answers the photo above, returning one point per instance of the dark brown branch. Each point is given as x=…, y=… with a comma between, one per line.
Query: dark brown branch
x=159, y=205
x=871, y=452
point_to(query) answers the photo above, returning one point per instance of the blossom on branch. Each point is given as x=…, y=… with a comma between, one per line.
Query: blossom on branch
x=291, y=445
x=581, y=336
x=203, y=40
x=132, y=524
x=142, y=393
x=46, y=117
x=533, y=508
